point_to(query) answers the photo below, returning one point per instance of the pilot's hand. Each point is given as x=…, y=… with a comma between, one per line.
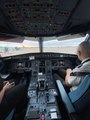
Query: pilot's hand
x=69, y=70
x=4, y=82
x=7, y=86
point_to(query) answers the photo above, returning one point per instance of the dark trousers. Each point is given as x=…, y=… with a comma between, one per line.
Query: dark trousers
x=12, y=99
x=60, y=75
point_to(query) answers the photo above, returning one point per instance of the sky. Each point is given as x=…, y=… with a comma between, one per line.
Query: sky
x=53, y=43
x=71, y=42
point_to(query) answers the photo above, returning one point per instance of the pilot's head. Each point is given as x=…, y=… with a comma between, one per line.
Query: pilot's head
x=83, y=51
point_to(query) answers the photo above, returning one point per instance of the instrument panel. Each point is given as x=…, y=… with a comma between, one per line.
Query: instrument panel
x=42, y=93
x=24, y=62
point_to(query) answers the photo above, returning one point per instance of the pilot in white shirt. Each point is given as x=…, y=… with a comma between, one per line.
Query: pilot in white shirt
x=75, y=80
x=75, y=76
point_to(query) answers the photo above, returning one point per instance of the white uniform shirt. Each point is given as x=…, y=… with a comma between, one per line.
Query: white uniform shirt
x=76, y=80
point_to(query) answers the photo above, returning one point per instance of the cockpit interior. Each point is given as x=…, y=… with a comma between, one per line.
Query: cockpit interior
x=37, y=71
x=42, y=21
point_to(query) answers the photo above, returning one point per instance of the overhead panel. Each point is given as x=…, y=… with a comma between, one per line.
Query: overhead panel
x=37, y=17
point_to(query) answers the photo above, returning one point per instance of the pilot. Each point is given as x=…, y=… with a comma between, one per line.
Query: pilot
x=10, y=97
x=72, y=78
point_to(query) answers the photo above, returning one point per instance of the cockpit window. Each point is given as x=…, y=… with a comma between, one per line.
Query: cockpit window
x=31, y=46
x=65, y=46
x=11, y=48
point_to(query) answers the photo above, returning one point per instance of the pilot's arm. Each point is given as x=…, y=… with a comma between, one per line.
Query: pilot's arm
x=72, y=80
x=68, y=72
x=6, y=87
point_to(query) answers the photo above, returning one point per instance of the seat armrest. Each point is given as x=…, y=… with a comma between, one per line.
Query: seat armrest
x=65, y=97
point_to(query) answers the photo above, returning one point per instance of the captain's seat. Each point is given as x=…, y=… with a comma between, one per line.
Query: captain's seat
x=77, y=101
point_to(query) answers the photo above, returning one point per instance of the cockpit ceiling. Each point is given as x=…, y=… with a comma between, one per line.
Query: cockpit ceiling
x=37, y=18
